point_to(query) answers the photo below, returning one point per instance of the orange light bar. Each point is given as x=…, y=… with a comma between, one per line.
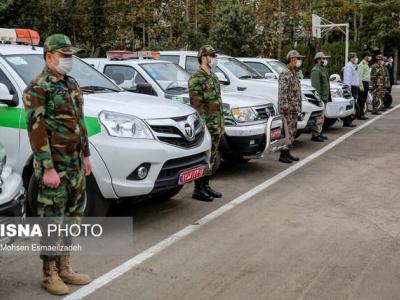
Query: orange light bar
x=119, y=54
x=27, y=36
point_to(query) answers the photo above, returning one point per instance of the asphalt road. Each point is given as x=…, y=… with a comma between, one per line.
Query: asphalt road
x=329, y=230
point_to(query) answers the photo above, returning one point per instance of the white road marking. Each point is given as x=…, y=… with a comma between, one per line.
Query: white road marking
x=157, y=248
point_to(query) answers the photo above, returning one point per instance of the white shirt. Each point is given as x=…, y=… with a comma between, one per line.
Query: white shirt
x=350, y=75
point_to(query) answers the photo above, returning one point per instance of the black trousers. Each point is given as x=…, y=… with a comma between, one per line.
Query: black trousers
x=362, y=97
x=354, y=93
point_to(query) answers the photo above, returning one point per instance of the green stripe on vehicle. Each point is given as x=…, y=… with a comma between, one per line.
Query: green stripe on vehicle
x=10, y=117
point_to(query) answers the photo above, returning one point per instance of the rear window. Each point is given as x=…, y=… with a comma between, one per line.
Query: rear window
x=171, y=58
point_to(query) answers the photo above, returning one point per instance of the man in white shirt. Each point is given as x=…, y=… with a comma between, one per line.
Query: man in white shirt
x=351, y=79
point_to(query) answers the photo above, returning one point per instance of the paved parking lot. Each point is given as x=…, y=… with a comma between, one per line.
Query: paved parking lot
x=329, y=230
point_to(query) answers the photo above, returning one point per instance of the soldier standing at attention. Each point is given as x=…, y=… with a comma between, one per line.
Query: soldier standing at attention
x=379, y=84
x=58, y=137
x=289, y=100
x=364, y=72
x=205, y=97
x=320, y=81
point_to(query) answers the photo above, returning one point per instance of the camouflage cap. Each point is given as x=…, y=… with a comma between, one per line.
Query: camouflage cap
x=206, y=50
x=320, y=55
x=380, y=57
x=293, y=54
x=60, y=43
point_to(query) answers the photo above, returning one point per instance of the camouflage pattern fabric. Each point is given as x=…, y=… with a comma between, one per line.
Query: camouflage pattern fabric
x=289, y=99
x=58, y=138
x=215, y=142
x=379, y=79
x=60, y=43
x=205, y=97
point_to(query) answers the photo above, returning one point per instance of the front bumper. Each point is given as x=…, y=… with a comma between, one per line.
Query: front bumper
x=339, y=108
x=311, y=121
x=122, y=156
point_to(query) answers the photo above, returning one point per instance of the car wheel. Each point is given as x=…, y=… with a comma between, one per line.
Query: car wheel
x=30, y=203
x=329, y=122
x=166, y=195
x=96, y=204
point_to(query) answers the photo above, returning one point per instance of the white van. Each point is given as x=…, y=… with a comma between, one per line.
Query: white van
x=342, y=104
x=140, y=145
x=252, y=123
x=235, y=76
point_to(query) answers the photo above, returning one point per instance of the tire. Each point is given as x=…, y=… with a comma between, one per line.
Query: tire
x=329, y=122
x=30, y=203
x=166, y=195
x=96, y=204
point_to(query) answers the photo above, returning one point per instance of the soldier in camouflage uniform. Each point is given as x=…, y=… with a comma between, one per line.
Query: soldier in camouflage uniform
x=58, y=137
x=289, y=100
x=205, y=97
x=379, y=84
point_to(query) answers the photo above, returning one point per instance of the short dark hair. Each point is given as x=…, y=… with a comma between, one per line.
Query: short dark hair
x=199, y=59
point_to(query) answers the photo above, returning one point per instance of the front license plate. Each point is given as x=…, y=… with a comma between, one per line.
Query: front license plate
x=190, y=175
x=320, y=120
x=276, y=134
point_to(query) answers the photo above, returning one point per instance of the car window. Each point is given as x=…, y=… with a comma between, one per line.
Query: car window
x=171, y=58
x=4, y=80
x=259, y=67
x=192, y=64
x=125, y=76
x=220, y=74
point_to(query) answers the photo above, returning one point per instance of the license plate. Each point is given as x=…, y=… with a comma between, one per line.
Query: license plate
x=190, y=175
x=276, y=134
x=320, y=120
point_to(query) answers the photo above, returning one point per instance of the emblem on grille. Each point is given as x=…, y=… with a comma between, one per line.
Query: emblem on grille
x=189, y=131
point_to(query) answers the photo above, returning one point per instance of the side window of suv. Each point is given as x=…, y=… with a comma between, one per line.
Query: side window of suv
x=4, y=80
x=171, y=58
x=259, y=67
x=191, y=64
x=125, y=76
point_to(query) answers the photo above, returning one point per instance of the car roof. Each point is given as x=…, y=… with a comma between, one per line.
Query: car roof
x=256, y=59
x=127, y=61
x=190, y=53
x=9, y=49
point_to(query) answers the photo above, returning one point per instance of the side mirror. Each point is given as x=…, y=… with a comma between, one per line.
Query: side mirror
x=5, y=94
x=222, y=79
x=144, y=88
x=270, y=76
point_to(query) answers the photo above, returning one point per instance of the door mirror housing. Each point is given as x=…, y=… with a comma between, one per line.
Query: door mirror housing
x=270, y=76
x=144, y=88
x=5, y=94
x=222, y=78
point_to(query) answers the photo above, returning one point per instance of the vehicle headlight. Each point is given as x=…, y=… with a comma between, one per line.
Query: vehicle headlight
x=126, y=126
x=244, y=114
x=336, y=92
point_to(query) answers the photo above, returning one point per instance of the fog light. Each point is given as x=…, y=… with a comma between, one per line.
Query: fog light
x=140, y=172
x=301, y=116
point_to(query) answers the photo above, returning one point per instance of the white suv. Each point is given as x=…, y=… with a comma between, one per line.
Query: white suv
x=237, y=77
x=140, y=145
x=342, y=104
x=252, y=124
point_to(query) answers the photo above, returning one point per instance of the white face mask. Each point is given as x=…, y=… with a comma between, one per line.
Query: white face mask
x=325, y=63
x=212, y=62
x=369, y=58
x=356, y=61
x=299, y=63
x=64, y=65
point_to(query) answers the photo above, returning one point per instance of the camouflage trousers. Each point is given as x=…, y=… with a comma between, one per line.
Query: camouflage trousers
x=377, y=98
x=316, y=130
x=215, y=141
x=62, y=205
x=291, y=121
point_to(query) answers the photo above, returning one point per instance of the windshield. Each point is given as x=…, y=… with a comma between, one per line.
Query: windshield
x=278, y=66
x=171, y=78
x=30, y=65
x=238, y=69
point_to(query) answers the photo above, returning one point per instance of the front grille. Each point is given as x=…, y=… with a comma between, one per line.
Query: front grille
x=313, y=99
x=171, y=132
x=265, y=112
x=170, y=171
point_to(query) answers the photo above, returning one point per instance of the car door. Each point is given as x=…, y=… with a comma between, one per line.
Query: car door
x=12, y=119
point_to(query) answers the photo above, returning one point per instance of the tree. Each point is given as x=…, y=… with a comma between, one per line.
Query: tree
x=234, y=31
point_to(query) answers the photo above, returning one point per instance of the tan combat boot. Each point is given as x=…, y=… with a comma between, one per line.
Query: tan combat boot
x=52, y=282
x=68, y=274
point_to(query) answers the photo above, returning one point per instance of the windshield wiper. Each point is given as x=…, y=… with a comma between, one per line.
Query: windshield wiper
x=245, y=77
x=176, y=88
x=96, y=88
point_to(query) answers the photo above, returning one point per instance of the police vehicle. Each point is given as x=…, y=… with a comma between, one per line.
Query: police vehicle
x=235, y=76
x=140, y=145
x=251, y=123
x=342, y=104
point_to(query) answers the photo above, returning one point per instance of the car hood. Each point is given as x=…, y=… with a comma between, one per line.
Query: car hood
x=139, y=105
x=332, y=84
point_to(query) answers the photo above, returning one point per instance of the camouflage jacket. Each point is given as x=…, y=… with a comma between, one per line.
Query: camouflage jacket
x=205, y=97
x=379, y=77
x=54, y=117
x=289, y=95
